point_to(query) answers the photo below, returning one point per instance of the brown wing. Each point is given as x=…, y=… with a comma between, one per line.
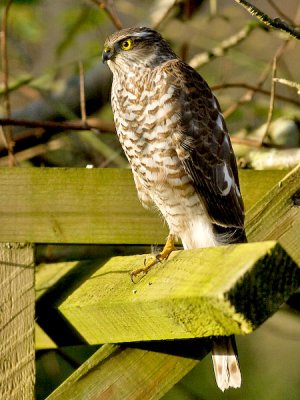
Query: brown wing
x=204, y=148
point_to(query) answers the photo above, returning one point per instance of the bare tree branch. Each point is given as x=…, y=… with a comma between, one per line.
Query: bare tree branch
x=34, y=151
x=6, y=132
x=109, y=7
x=48, y=108
x=272, y=97
x=279, y=11
x=82, y=93
x=257, y=143
x=288, y=83
x=165, y=14
x=243, y=85
x=89, y=124
x=205, y=57
x=275, y=23
x=248, y=96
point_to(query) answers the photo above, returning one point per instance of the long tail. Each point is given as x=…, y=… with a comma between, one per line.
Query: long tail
x=226, y=363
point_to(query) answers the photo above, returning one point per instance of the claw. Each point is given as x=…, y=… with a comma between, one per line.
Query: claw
x=134, y=273
x=158, y=258
x=154, y=260
x=148, y=264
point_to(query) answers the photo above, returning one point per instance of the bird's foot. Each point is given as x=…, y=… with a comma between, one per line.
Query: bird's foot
x=155, y=259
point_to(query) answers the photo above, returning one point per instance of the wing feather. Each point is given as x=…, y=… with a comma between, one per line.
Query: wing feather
x=204, y=147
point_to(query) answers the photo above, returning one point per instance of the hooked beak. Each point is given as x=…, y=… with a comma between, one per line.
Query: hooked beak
x=107, y=54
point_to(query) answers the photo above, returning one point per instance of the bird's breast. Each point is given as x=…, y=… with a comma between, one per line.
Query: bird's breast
x=148, y=125
x=146, y=115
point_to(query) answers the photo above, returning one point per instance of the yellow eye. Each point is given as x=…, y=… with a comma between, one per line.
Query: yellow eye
x=126, y=44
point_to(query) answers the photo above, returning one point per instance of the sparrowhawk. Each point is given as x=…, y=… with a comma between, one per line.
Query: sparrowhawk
x=175, y=138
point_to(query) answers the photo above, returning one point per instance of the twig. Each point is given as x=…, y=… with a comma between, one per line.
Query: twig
x=244, y=141
x=248, y=96
x=184, y=49
x=265, y=92
x=272, y=97
x=203, y=58
x=4, y=57
x=7, y=132
x=165, y=14
x=288, y=83
x=16, y=85
x=275, y=23
x=213, y=6
x=82, y=94
x=3, y=136
x=92, y=123
x=257, y=143
x=34, y=151
x=109, y=7
x=278, y=10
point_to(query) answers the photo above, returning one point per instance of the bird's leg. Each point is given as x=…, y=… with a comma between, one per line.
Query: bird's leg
x=168, y=248
x=155, y=259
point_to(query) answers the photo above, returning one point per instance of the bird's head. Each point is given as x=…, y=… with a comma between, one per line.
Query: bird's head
x=135, y=47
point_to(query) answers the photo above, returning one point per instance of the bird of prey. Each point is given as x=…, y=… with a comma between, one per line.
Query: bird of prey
x=175, y=138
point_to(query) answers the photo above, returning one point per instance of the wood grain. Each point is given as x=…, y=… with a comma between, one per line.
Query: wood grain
x=96, y=379
x=17, y=359
x=116, y=373
x=196, y=293
x=100, y=206
x=276, y=216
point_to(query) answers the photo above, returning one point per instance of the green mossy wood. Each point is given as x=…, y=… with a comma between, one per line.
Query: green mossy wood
x=101, y=207
x=61, y=205
x=276, y=216
x=196, y=293
x=115, y=373
x=95, y=379
x=17, y=358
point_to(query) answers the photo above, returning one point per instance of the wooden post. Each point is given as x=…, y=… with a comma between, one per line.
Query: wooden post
x=17, y=297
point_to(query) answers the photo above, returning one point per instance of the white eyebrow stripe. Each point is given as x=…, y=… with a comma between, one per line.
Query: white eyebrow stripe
x=141, y=34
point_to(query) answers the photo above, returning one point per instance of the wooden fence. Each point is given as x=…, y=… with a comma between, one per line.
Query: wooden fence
x=93, y=301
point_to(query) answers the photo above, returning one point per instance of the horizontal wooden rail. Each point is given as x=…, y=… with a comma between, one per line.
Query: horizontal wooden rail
x=60, y=205
x=196, y=293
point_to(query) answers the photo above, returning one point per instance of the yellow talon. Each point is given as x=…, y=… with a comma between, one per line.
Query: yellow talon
x=153, y=260
x=167, y=250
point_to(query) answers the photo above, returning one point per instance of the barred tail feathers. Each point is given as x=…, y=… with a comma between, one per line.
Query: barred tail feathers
x=202, y=233
x=225, y=362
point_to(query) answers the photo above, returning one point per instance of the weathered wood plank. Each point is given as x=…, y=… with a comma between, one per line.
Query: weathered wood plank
x=54, y=282
x=196, y=293
x=60, y=205
x=47, y=275
x=17, y=302
x=71, y=206
x=42, y=340
x=107, y=378
x=124, y=374
x=276, y=216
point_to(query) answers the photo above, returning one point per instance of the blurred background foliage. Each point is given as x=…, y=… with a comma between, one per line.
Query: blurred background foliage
x=46, y=41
